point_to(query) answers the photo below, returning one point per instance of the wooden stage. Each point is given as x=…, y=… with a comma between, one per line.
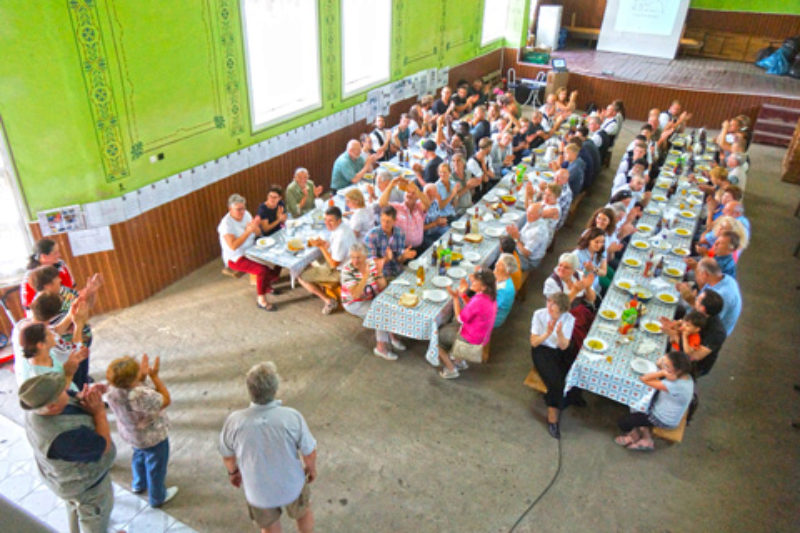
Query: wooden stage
x=713, y=90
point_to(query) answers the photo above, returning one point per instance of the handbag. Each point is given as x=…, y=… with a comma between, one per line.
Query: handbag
x=472, y=353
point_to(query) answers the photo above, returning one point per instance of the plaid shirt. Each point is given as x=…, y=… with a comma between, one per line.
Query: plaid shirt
x=377, y=241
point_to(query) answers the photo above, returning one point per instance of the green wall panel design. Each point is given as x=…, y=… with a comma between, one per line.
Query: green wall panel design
x=90, y=89
x=785, y=7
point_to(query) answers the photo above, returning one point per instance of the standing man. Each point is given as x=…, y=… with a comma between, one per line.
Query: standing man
x=300, y=194
x=351, y=166
x=72, y=445
x=259, y=447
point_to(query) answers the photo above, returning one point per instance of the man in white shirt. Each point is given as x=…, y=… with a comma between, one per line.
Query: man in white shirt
x=612, y=120
x=335, y=251
x=737, y=172
x=237, y=231
x=269, y=451
x=381, y=138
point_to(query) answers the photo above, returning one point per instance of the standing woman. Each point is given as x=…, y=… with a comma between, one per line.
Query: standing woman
x=591, y=252
x=551, y=330
x=363, y=218
x=45, y=253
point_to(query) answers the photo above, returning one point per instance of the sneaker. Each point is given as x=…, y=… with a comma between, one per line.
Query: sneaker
x=461, y=365
x=171, y=492
x=330, y=307
x=389, y=356
x=397, y=345
x=449, y=374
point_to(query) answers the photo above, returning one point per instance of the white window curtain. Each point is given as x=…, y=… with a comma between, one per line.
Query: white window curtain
x=366, y=42
x=14, y=232
x=282, y=54
x=495, y=17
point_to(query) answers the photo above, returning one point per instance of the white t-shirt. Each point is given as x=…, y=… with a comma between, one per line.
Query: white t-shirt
x=551, y=287
x=229, y=226
x=379, y=138
x=362, y=221
x=342, y=238
x=474, y=168
x=539, y=326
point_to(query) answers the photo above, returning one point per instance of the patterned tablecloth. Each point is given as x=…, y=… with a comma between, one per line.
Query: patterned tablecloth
x=609, y=373
x=309, y=225
x=423, y=321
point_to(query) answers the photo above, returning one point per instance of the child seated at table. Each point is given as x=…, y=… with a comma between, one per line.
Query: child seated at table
x=674, y=389
x=687, y=336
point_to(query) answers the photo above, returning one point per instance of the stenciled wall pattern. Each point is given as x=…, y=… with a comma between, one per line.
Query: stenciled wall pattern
x=92, y=89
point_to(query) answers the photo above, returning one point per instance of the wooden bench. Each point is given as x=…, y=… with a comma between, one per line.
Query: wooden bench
x=576, y=202
x=672, y=435
x=534, y=381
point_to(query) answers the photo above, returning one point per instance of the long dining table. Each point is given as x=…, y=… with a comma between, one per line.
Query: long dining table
x=613, y=370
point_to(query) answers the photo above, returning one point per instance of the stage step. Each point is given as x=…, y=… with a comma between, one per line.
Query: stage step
x=775, y=124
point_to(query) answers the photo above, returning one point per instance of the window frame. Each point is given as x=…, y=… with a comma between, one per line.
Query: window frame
x=286, y=116
x=372, y=83
x=501, y=36
x=19, y=199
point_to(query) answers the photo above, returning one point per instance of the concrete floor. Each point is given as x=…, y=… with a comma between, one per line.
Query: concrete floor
x=402, y=450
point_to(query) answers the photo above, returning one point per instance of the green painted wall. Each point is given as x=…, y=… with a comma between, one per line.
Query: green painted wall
x=783, y=7
x=90, y=89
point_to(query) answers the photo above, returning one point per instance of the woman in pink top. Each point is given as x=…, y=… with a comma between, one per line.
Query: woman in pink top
x=474, y=322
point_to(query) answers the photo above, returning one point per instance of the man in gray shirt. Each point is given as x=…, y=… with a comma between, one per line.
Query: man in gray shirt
x=260, y=445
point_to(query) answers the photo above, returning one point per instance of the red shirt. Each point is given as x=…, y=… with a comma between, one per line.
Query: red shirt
x=27, y=293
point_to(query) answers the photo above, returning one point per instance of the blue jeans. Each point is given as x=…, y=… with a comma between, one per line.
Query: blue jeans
x=149, y=468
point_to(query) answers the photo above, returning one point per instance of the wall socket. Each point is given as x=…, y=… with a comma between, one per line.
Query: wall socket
x=156, y=157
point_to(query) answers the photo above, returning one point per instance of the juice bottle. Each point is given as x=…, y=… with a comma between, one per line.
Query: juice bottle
x=420, y=276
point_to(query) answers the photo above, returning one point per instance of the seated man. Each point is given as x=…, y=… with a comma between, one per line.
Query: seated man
x=597, y=135
x=237, y=231
x=432, y=161
x=479, y=166
x=381, y=138
x=410, y=212
x=335, y=251
x=404, y=132
x=383, y=180
x=735, y=209
x=350, y=166
x=501, y=155
x=636, y=187
x=72, y=446
x=638, y=168
x=272, y=213
x=300, y=194
x=723, y=250
x=561, y=178
x=435, y=217
x=589, y=152
x=506, y=265
x=533, y=239
x=712, y=335
x=386, y=243
x=709, y=276
x=737, y=173
x=480, y=126
x=574, y=164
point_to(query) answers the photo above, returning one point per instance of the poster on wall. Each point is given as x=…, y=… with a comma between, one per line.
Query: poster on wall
x=91, y=241
x=61, y=219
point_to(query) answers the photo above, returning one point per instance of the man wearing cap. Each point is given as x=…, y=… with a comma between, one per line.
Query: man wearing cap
x=431, y=173
x=72, y=445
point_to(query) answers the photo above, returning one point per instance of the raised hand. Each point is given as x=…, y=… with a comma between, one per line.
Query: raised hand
x=153, y=372
x=388, y=254
x=408, y=253
x=317, y=191
x=282, y=216
x=75, y=358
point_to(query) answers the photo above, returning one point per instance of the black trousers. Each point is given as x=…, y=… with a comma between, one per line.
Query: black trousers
x=553, y=366
x=634, y=420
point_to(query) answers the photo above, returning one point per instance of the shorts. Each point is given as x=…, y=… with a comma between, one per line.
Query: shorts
x=264, y=518
x=321, y=274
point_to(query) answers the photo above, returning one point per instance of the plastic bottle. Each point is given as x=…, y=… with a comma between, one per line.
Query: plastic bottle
x=420, y=276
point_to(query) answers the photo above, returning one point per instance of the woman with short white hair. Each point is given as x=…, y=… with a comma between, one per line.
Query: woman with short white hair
x=568, y=278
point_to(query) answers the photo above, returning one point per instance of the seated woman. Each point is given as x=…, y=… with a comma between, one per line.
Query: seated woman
x=569, y=279
x=46, y=252
x=508, y=246
x=467, y=183
x=564, y=104
x=141, y=422
x=363, y=217
x=362, y=281
x=605, y=218
x=237, y=231
x=591, y=252
x=505, y=267
x=675, y=387
x=272, y=213
x=472, y=327
x=551, y=331
x=36, y=341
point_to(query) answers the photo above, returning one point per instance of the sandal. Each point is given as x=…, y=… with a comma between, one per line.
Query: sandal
x=627, y=439
x=269, y=307
x=460, y=364
x=642, y=445
x=449, y=374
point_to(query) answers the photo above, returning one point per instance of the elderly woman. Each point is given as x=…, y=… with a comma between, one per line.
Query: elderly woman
x=237, y=231
x=675, y=387
x=505, y=267
x=362, y=281
x=569, y=279
x=472, y=328
x=551, y=331
x=141, y=422
x=591, y=252
x=363, y=218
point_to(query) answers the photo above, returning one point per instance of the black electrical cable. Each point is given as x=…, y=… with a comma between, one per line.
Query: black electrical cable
x=541, y=495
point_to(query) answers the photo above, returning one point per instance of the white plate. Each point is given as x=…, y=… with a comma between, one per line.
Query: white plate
x=667, y=297
x=652, y=211
x=654, y=323
x=510, y=218
x=401, y=283
x=265, y=242
x=459, y=225
x=413, y=264
x=673, y=272
x=693, y=200
x=643, y=366
x=624, y=284
x=435, y=295
x=494, y=232
x=682, y=232
x=631, y=262
x=683, y=252
x=643, y=293
x=644, y=228
x=609, y=314
x=659, y=198
x=472, y=256
x=640, y=245
x=457, y=237
x=457, y=272
x=467, y=265
x=490, y=197
x=602, y=347
x=687, y=214
x=441, y=281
